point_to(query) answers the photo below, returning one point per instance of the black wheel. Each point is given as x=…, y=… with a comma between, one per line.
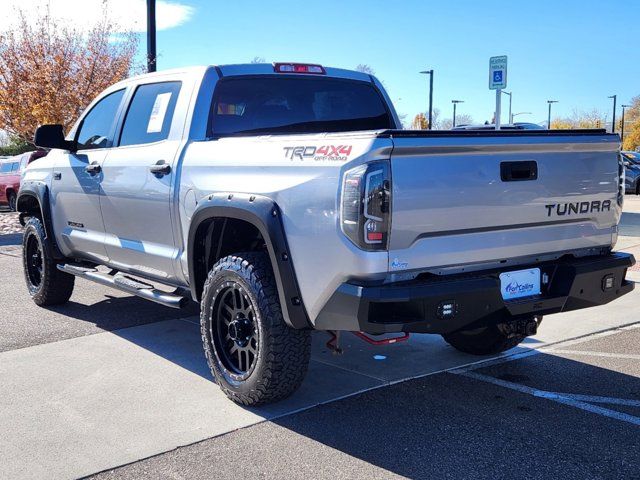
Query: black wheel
x=638, y=188
x=46, y=284
x=486, y=340
x=11, y=197
x=253, y=355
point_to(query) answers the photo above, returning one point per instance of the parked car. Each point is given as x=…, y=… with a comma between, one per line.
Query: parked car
x=632, y=172
x=11, y=170
x=286, y=198
x=507, y=126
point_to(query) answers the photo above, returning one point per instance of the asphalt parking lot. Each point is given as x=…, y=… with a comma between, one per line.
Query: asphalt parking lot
x=116, y=387
x=548, y=415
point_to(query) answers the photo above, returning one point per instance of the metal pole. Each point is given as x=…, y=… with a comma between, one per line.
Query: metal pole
x=151, y=36
x=613, y=126
x=549, y=117
x=622, y=133
x=430, y=99
x=510, y=116
x=454, y=113
x=498, y=105
x=613, y=122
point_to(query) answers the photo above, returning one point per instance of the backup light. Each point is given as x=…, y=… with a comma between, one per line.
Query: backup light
x=608, y=282
x=365, y=205
x=299, y=68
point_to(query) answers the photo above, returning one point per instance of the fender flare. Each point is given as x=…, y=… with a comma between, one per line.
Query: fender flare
x=40, y=192
x=264, y=214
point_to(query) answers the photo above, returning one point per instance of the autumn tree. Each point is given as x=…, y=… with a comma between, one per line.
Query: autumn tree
x=50, y=72
x=561, y=124
x=581, y=119
x=632, y=125
x=420, y=122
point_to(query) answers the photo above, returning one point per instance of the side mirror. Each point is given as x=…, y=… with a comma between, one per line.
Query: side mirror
x=52, y=136
x=627, y=163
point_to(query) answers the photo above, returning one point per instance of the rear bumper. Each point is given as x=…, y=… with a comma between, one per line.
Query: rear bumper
x=443, y=305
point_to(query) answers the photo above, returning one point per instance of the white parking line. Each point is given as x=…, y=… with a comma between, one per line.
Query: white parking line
x=629, y=356
x=598, y=399
x=556, y=397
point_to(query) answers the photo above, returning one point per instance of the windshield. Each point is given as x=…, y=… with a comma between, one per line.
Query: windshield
x=632, y=157
x=294, y=104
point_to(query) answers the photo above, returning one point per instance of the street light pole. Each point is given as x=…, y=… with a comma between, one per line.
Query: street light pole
x=151, y=36
x=519, y=113
x=430, y=73
x=510, y=97
x=455, y=103
x=549, y=117
x=613, y=122
x=622, y=132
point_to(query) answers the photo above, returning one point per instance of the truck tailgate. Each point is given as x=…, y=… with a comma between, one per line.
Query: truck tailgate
x=478, y=197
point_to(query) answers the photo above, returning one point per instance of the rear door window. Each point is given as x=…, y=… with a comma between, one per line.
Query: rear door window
x=150, y=113
x=256, y=105
x=5, y=167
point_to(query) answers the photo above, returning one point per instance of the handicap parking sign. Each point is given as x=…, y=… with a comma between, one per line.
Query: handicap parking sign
x=498, y=72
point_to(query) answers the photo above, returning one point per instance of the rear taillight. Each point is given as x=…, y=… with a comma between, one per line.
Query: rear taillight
x=365, y=213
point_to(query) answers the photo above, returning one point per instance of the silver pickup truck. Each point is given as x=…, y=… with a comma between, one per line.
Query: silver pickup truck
x=285, y=198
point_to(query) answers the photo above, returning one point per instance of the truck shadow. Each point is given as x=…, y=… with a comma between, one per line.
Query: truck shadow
x=630, y=224
x=452, y=426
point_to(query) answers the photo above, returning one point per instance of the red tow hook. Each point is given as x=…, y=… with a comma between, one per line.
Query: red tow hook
x=334, y=342
x=385, y=341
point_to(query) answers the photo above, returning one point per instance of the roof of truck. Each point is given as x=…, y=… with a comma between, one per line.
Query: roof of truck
x=243, y=69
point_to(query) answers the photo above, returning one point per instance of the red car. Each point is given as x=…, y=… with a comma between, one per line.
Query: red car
x=10, y=173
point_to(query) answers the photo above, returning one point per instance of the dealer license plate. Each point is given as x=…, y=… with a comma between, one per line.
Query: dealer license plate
x=521, y=283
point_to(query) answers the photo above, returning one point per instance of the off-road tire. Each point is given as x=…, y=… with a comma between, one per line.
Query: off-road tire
x=12, y=201
x=485, y=340
x=282, y=357
x=55, y=287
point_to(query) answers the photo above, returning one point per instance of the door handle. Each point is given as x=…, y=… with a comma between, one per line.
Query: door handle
x=160, y=169
x=519, y=171
x=93, y=168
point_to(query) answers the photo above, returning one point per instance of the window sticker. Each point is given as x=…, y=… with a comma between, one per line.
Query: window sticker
x=158, y=112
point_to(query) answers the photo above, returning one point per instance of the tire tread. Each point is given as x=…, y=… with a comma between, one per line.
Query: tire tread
x=288, y=350
x=57, y=286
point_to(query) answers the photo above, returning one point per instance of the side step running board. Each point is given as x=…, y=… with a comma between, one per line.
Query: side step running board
x=127, y=284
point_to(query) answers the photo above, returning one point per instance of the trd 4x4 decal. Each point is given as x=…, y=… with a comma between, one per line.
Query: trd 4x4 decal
x=325, y=152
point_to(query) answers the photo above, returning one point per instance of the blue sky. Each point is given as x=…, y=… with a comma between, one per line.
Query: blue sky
x=577, y=52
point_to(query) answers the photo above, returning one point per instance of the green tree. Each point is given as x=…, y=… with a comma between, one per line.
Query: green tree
x=13, y=145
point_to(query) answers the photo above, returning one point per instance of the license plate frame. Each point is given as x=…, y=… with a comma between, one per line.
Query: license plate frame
x=519, y=284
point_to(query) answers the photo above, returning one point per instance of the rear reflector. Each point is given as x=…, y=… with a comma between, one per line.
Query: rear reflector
x=299, y=68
